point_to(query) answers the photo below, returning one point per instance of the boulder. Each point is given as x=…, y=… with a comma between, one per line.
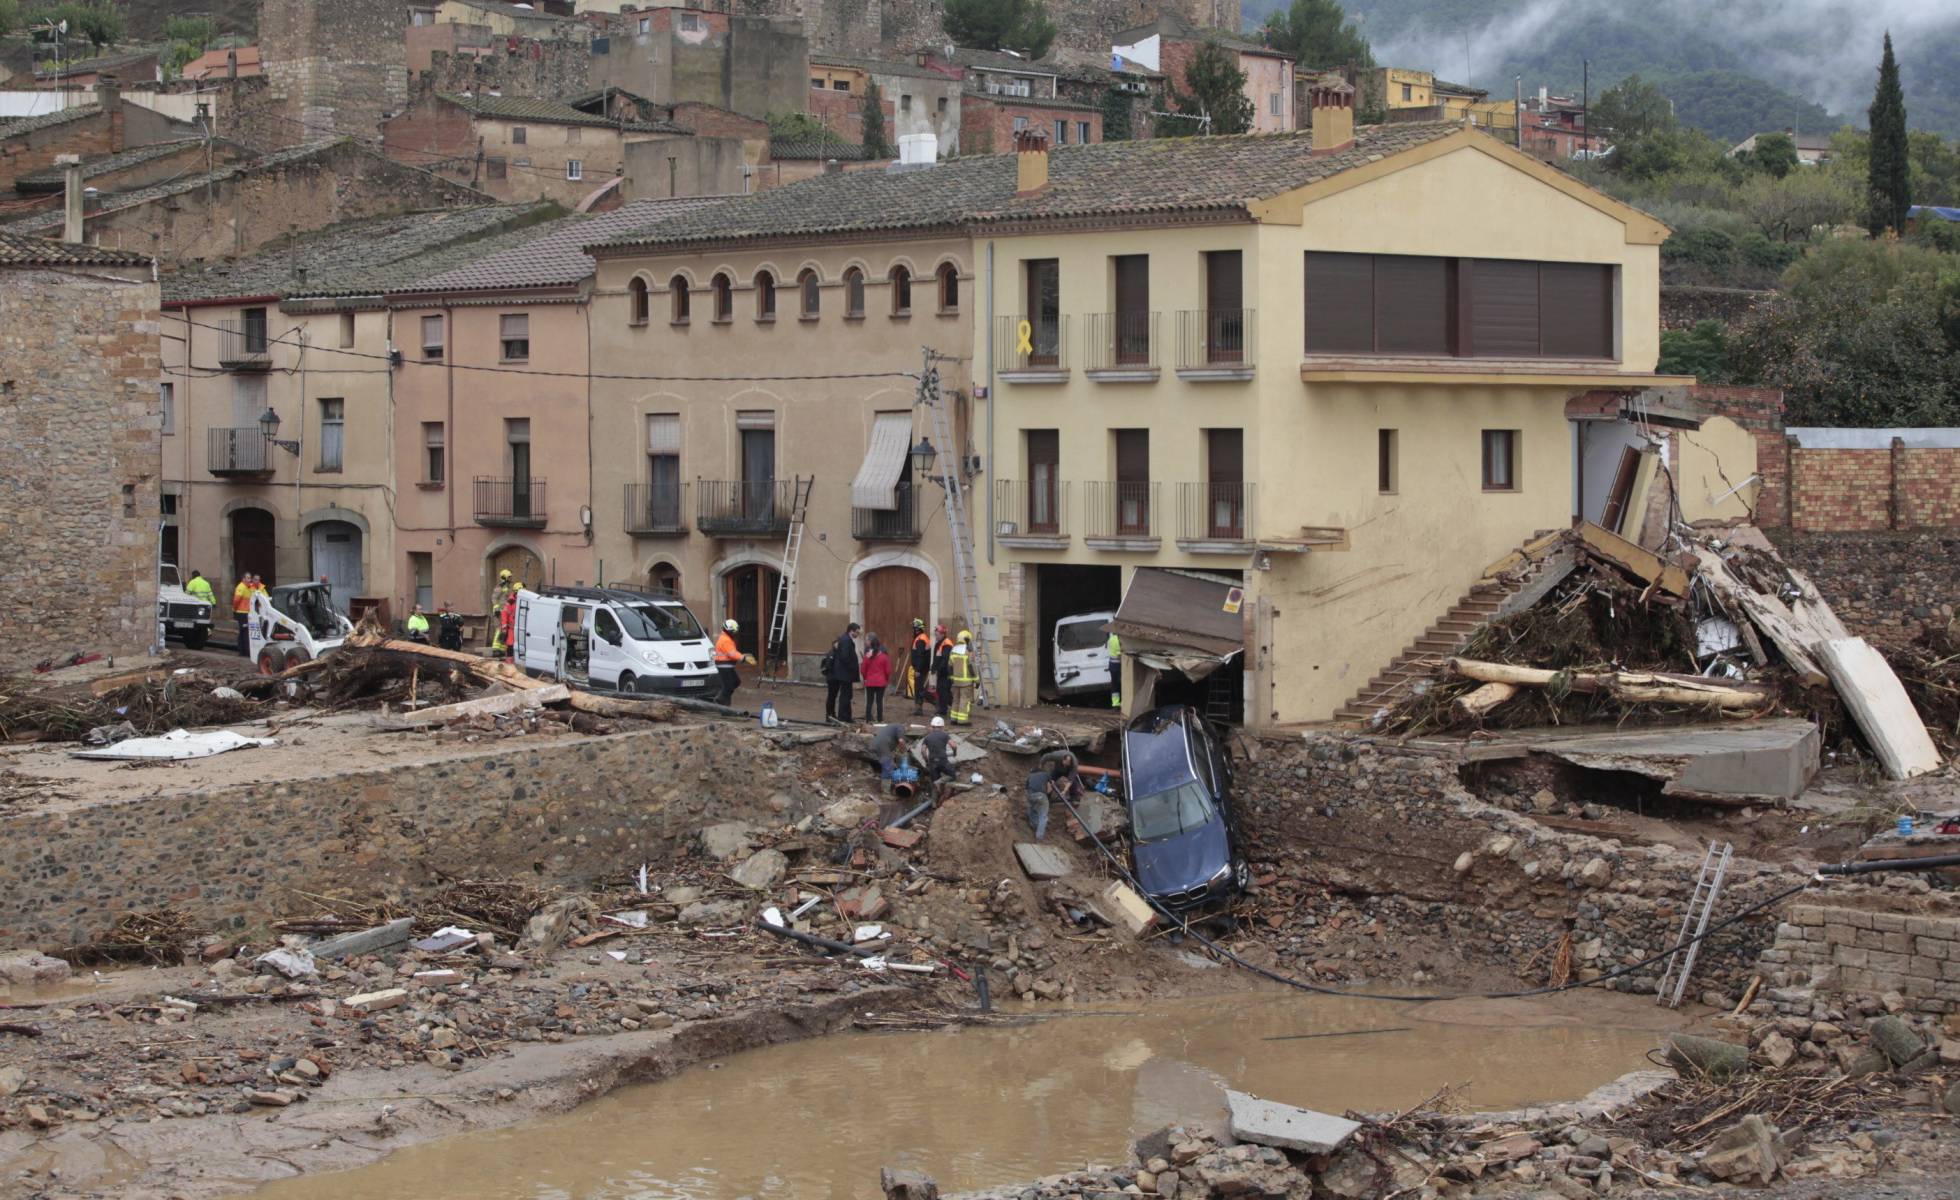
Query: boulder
x=1544, y=801
x=12, y=1079
x=1951, y=1101
x=714, y=912
x=726, y=840
x=1354, y=1175
x=1718, y=1060
x=1596, y=873
x=763, y=870
x=1748, y=1151
x=900, y=1184
x=31, y=969
x=1900, y=1042
x=1777, y=1050
x=850, y=812
x=1869, y=1061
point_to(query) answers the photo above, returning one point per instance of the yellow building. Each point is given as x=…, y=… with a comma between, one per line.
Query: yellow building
x=1397, y=87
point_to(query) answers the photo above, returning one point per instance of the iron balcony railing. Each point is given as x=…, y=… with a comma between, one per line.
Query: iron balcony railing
x=899, y=524
x=1120, y=341
x=244, y=344
x=1215, y=512
x=241, y=451
x=1043, y=348
x=742, y=507
x=656, y=508
x=1122, y=509
x=519, y=502
x=1215, y=337
x=1031, y=508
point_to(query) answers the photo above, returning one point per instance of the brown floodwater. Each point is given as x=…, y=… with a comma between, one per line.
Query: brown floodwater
x=982, y=1107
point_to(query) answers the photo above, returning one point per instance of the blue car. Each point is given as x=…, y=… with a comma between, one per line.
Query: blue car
x=1183, y=835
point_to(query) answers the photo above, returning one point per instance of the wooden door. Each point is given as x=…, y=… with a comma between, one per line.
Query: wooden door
x=893, y=596
x=1621, y=494
x=749, y=596
x=252, y=546
x=524, y=567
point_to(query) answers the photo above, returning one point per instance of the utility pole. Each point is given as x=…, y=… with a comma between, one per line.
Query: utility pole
x=1585, y=106
x=1517, y=112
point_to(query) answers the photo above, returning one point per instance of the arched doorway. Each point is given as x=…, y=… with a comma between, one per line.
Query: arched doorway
x=749, y=596
x=664, y=577
x=252, y=550
x=893, y=596
x=336, y=556
x=524, y=566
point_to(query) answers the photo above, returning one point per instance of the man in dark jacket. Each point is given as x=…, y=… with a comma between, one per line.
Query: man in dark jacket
x=842, y=676
x=942, y=669
x=921, y=664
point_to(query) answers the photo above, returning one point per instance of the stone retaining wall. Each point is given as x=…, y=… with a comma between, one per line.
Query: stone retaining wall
x=1849, y=950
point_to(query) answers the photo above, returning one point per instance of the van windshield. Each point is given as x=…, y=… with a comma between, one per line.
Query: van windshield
x=1170, y=812
x=658, y=622
x=1082, y=635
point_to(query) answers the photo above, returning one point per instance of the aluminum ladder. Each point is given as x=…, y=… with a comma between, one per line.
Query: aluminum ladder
x=776, y=649
x=958, y=528
x=1708, y=888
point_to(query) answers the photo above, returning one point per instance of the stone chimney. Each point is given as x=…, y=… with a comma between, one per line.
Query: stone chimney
x=72, y=197
x=1031, y=161
x=1333, y=116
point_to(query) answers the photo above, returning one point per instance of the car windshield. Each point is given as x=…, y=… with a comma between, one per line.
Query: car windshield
x=658, y=622
x=1170, y=812
x=1081, y=635
x=167, y=576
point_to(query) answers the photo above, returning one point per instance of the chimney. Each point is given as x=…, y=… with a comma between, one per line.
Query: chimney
x=1031, y=161
x=1333, y=116
x=108, y=93
x=830, y=166
x=72, y=197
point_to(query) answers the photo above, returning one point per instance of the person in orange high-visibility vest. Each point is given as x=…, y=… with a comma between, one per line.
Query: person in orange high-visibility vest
x=726, y=656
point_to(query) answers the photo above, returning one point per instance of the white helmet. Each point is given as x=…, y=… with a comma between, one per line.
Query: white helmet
x=731, y=625
x=939, y=722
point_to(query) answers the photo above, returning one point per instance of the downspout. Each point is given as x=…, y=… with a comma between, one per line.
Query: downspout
x=451, y=439
x=993, y=466
x=299, y=464
x=597, y=567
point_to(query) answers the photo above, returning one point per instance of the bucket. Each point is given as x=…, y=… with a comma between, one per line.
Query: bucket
x=768, y=715
x=1905, y=826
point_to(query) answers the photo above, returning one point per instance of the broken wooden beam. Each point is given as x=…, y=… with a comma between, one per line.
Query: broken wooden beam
x=506, y=702
x=615, y=706
x=1642, y=687
x=1475, y=706
x=1878, y=702
x=489, y=670
x=1633, y=558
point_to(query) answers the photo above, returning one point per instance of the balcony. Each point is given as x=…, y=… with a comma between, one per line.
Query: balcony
x=1215, y=518
x=899, y=524
x=743, y=508
x=243, y=346
x=1216, y=344
x=1121, y=347
x=656, y=509
x=1031, y=515
x=242, y=453
x=1042, y=357
x=512, y=503
x=1122, y=515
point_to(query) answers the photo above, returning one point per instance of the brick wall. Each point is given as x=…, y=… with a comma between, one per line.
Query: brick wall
x=1848, y=490
x=1851, y=951
x=987, y=122
x=1760, y=411
x=80, y=432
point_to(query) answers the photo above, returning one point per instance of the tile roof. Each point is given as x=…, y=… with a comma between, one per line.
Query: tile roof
x=1002, y=98
x=1000, y=60
x=550, y=255
x=214, y=63
x=547, y=112
x=104, y=62
x=18, y=250
x=49, y=120
x=876, y=66
x=1103, y=179
x=799, y=149
x=104, y=164
x=580, y=100
x=352, y=258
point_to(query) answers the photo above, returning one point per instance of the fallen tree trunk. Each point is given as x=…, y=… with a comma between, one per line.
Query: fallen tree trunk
x=1475, y=706
x=1635, y=687
x=489, y=670
x=612, y=706
x=506, y=702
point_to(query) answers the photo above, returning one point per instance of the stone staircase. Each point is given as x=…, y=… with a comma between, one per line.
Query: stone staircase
x=1486, y=599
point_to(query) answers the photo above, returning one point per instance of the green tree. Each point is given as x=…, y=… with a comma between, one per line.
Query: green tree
x=1630, y=110
x=9, y=16
x=1020, y=25
x=1889, y=186
x=1116, y=115
x=1702, y=352
x=1317, y=33
x=1935, y=168
x=1788, y=209
x=1213, y=87
x=189, y=37
x=1775, y=154
x=94, y=21
x=873, y=134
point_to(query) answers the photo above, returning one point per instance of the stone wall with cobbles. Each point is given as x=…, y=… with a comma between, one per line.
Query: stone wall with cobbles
x=1856, y=952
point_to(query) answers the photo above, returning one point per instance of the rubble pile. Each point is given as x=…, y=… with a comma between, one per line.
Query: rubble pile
x=1929, y=667
x=156, y=703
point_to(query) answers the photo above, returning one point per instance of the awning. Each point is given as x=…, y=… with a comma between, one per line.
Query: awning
x=877, y=480
x=1176, y=621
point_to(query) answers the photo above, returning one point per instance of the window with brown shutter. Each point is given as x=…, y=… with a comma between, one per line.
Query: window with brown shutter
x=1415, y=305
x=1503, y=308
x=1340, y=303
x=1439, y=307
x=1576, y=310
x=1500, y=460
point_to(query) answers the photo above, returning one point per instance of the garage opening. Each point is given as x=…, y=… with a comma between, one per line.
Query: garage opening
x=1067, y=590
x=252, y=545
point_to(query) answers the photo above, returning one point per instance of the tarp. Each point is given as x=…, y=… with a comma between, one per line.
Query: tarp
x=876, y=485
x=1175, y=621
x=178, y=743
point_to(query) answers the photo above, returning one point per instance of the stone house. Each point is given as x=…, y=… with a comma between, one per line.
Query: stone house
x=108, y=126
x=80, y=415
x=516, y=148
x=753, y=65
x=1169, y=43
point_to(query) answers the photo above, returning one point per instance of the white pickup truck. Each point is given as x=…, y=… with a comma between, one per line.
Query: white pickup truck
x=180, y=614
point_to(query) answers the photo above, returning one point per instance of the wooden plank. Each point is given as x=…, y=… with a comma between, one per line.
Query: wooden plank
x=1879, y=703
x=1634, y=557
x=103, y=687
x=482, y=706
x=614, y=706
x=1792, y=635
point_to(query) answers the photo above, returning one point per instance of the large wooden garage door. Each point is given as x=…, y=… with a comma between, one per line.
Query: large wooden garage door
x=892, y=597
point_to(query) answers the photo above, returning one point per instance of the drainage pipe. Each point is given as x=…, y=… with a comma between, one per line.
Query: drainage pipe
x=1891, y=864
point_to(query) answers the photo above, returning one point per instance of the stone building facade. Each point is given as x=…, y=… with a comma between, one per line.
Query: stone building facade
x=80, y=419
x=335, y=67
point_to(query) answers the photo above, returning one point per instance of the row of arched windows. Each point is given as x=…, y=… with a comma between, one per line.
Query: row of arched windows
x=809, y=295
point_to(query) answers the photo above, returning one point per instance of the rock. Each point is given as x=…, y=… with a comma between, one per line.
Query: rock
x=714, y=912
x=1949, y=1051
x=1266, y=1123
x=1353, y=1175
x=726, y=840
x=1717, y=1059
x=38, y=1117
x=1897, y=1039
x=12, y=1079
x=850, y=812
x=1748, y=1151
x=1871, y=1061
x=1501, y=847
x=369, y=1002
x=1542, y=801
x=763, y=870
x=1464, y=862
x=549, y=927
x=1157, y=1144
x=1596, y=873
x=445, y=1039
x=31, y=969
x=1777, y=1050
x=271, y=1099
x=680, y=897
x=901, y=1184
x=1951, y=1101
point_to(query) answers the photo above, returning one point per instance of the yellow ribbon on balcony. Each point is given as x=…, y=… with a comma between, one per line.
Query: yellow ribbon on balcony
x=1024, y=331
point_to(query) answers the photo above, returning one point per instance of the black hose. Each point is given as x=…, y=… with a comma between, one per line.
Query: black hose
x=1185, y=927
x=814, y=940
x=1891, y=864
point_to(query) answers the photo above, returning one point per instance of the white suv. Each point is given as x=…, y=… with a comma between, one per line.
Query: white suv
x=182, y=615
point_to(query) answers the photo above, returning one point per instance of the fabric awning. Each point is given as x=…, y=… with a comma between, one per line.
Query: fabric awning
x=1176, y=621
x=877, y=480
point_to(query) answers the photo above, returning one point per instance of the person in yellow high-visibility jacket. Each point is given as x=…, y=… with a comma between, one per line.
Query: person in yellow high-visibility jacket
x=1114, y=648
x=964, y=679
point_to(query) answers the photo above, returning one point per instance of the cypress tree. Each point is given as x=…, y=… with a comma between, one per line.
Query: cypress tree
x=875, y=143
x=1889, y=187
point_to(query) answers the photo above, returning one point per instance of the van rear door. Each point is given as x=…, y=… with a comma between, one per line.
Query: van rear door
x=537, y=633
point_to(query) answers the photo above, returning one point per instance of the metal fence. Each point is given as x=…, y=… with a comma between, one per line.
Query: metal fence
x=656, y=508
x=243, y=342
x=1119, y=341
x=1122, y=508
x=238, y=451
x=1215, y=512
x=1215, y=337
x=1045, y=347
x=899, y=524
x=1031, y=509
x=743, y=506
x=509, y=501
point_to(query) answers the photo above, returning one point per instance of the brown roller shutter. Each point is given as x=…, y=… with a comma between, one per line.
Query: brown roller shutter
x=1575, y=318
x=1504, y=309
x=1340, y=303
x=1414, y=304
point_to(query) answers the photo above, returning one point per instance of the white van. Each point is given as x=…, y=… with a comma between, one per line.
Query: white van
x=1082, y=653
x=613, y=638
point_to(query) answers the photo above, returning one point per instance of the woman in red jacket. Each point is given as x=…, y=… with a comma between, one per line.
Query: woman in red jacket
x=877, y=670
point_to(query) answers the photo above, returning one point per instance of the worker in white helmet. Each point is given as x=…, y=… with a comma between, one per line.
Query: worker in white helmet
x=727, y=655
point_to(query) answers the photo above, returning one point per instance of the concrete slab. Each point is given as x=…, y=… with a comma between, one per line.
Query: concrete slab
x=1041, y=862
x=365, y=941
x=1266, y=1123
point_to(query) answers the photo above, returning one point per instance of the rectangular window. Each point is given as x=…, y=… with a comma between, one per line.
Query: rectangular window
x=1458, y=307
x=1504, y=305
x=1340, y=303
x=1272, y=103
x=1225, y=497
x=574, y=136
x=432, y=339
x=495, y=168
x=574, y=169
x=1132, y=482
x=517, y=436
x=690, y=22
x=664, y=470
x=1061, y=132
x=840, y=85
x=1576, y=310
x=1500, y=460
x=333, y=433
x=1408, y=93
x=904, y=103
x=1385, y=464
x=1044, y=280
x=1224, y=331
x=422, y=566
x=518, y=135
x=346, y=330
x=1082, y=132
x=1132, y=332
x=515, y=331
x=1044, y=480
x=646, y=25
x=432, y=452
x=167, y=405
x=817, y=83
x=255, y=338
x=1020, y=123
x=1415, y=305
x=940, y=104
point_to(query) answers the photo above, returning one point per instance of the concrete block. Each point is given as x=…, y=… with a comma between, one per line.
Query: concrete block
x=1265, y=1123
x=365, y=941
x=370, y=1002
x=1041, y=862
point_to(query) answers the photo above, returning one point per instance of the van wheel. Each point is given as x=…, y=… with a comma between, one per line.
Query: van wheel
x=628, y=682
x=196, y=638
x=271, y=661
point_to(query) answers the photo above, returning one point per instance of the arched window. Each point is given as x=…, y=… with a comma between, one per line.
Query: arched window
x=677, y=286
x=807, y=284
x=724, y=297
x=854, y=293
x=665, y=577
x=901, y=291
x=765, y=296
x=636, y=292
x=949, y=288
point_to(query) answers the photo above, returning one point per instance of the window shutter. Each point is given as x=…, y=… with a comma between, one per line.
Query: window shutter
x=664, y=433
x=516, y=325
x=1340, y=303
x=755, y=418
x=1576, y=318
x=1414, y=304
x=1504, y=309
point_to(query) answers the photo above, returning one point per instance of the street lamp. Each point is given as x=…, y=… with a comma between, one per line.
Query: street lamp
x=269, y=426
x=923, y=456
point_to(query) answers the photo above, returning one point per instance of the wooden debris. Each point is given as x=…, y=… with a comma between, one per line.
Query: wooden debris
x=612, y=706
x=508, y=702
x=1633, y=558
x=1653, y=687
x=1476, y=705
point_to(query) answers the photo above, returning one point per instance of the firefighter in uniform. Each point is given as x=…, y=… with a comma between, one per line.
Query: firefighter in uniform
x=964, y=679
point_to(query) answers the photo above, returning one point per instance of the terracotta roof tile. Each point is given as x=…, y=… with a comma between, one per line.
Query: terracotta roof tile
x=550, y=255
x=547, y=112
x=20, y=250
x=49, y=120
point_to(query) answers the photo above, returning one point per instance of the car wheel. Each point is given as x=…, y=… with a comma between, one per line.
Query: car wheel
x=271, y=661
x=628, y=682
x=1242, y=875
x=196, y=638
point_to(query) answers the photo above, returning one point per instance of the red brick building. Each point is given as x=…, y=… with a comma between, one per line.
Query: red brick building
x=988, y=123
